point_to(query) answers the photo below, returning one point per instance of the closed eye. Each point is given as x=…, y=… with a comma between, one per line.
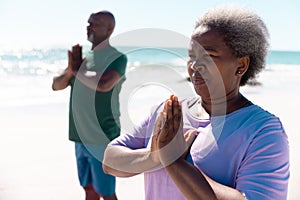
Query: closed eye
x=208, y=56
x=213, y=55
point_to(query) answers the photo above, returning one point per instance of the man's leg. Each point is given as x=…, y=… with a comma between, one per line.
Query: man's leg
x=103, y=184
x=90, y=193
x=84, y=172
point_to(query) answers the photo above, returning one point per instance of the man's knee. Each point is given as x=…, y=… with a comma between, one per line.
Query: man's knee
x=91, y=192
x=89, y=187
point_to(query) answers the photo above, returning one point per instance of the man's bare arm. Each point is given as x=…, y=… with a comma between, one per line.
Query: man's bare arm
x=62, y=81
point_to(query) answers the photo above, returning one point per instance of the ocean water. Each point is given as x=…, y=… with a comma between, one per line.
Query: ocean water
x=26, y=75
x=284, y=57
x=35, y=62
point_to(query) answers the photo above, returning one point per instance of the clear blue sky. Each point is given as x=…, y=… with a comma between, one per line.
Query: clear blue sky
x=48, y=23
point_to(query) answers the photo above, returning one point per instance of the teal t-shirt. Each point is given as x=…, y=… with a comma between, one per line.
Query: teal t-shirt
x=94, y=116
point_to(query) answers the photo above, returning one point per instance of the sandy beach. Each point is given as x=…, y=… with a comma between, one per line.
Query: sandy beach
x=38, y=161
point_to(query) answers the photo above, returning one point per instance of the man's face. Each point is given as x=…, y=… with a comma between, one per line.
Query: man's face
x=97, y=30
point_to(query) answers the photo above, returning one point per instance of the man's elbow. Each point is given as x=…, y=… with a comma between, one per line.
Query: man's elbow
x=104, y=87
x=58, y=85
x=54, y=88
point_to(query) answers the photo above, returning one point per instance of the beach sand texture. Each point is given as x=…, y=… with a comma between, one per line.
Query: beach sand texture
x=38, y=162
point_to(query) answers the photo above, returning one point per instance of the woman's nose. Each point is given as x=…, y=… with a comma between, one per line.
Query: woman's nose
x=197, y=66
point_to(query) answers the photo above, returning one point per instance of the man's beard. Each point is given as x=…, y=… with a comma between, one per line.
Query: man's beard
x=91, y=38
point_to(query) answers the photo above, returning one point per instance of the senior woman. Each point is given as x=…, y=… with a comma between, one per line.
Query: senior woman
x=220, y=145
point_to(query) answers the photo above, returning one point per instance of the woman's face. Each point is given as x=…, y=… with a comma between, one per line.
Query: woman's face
x=212, y=65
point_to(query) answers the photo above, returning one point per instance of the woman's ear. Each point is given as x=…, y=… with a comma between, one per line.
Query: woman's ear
x=243, y=64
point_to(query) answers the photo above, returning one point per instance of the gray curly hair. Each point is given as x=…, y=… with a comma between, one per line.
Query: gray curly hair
x=243, y=31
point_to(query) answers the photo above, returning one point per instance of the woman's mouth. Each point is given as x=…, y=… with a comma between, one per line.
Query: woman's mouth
x=198, y=80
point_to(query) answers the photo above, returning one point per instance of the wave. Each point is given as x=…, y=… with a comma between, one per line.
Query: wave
x=50, y=61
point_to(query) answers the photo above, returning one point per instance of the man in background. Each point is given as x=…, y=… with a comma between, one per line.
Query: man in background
x=95, y=83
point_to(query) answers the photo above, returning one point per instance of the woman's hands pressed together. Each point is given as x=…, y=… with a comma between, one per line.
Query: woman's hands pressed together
x=168, y=142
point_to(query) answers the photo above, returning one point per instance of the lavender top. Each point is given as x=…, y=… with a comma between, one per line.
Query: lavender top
x=247, y=150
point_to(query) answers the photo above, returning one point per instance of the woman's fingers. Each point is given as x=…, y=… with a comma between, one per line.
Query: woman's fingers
x=177, y=115
x=171, y=142
x=173, y=120
x=158, y=124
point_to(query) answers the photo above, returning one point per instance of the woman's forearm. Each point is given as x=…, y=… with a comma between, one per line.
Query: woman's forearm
x=190, y=180
x=124, y=162
x=195, y=185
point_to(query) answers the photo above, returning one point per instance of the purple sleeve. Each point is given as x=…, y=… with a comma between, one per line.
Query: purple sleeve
x=140, y=135
x=264, y=172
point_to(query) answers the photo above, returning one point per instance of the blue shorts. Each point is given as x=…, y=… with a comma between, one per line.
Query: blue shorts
x=90, y=170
